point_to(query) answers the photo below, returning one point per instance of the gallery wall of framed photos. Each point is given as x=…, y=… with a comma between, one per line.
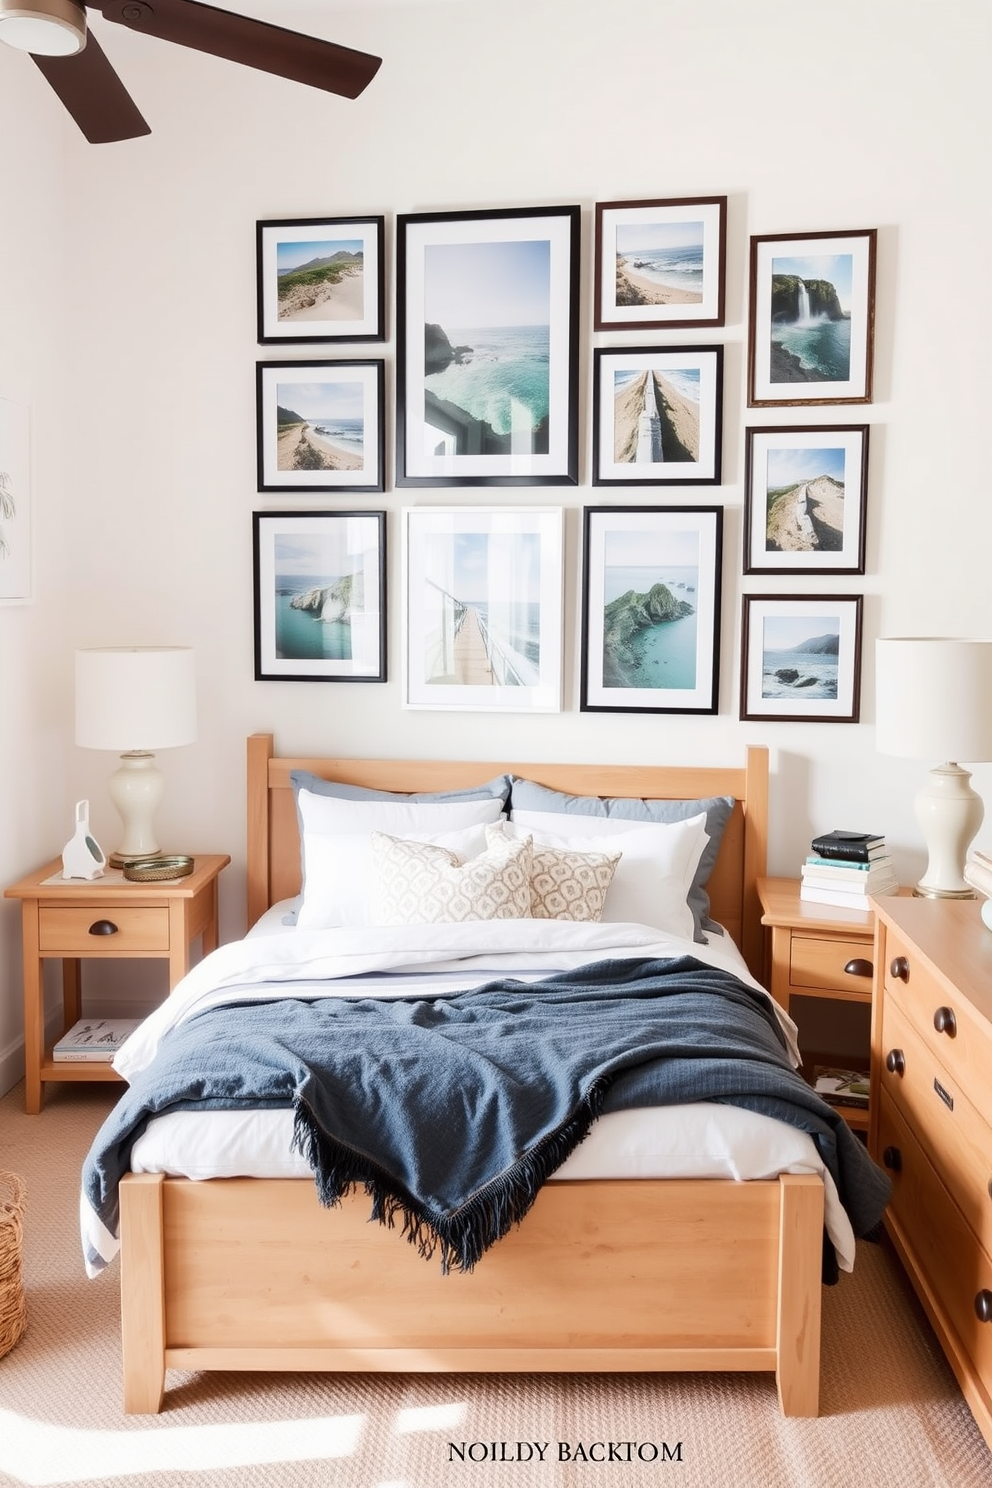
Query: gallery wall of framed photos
x=495, y=355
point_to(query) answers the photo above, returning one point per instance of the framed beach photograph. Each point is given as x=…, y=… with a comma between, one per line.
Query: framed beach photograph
x=487, y=348
x=806, y=495
x=321, y=426
x=801, y=657
x=321, y=279
x=15, y=505
x=657, y=415
x=812, y=314
x=651, y=609
x=483, y=606
x=320, y=596
x=660, y=263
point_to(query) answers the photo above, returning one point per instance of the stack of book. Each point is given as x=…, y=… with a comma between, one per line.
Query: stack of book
x=846, y=868
x=978, y=872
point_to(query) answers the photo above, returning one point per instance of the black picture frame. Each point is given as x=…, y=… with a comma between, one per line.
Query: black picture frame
x=801, y=657
x=321, y=426
x=806, y=498
x=320, y=279
x=666, y=431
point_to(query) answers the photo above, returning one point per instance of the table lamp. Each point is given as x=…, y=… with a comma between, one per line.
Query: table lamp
x=134, y=700
x=933, y=700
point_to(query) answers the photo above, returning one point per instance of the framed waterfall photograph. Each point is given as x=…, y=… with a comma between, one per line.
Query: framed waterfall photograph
x=321, y=279
x=660, y=263
x=801, y=657
x=483, y=608
x=811, y=320
x=487, y=348
x=320, y=596
x=657, y=415
x=806, y=492
x=651, y=609
x=321, y=426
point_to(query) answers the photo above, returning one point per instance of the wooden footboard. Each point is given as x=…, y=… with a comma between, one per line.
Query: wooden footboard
x=252, y=1274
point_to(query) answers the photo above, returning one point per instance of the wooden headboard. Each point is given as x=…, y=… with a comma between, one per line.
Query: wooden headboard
x=274, y=843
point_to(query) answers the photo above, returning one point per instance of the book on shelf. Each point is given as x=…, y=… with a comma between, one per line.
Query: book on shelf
x=844, y=898
x=857, y=847
x=93, y=1040
x=861, y=876
x=840, y=1087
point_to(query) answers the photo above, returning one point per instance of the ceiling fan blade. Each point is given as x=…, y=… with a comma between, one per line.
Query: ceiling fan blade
x=289, y=54
x=93, y=94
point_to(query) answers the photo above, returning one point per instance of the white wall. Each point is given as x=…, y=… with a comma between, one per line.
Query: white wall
x=141, y=258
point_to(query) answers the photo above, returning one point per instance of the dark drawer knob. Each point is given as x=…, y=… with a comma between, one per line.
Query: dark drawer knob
x=103, y=927
x=983, y=1306
x=900, y=969
x=895, y=1062
x=892, y=1159
x=945, y=1022
x=859, y=967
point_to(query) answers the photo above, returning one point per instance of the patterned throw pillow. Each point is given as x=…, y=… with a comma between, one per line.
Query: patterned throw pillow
x=564, y=885
x=420, y=884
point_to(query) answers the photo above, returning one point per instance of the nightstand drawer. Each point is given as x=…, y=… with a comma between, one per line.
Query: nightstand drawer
x=75, y=930
x=941, y=1017
x=818, y=962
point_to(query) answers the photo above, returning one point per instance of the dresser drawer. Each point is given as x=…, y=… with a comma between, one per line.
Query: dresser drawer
x=962, y=1044
x=68, y=930
x=955, y=1137
x=818, y=961
x=956, y=1267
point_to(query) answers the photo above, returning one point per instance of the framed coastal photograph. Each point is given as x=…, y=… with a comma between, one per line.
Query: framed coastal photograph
x=321, y=426
x=657, y=415
x=806, y=494
x=487, y=348
x=15, y=505
x=651, y=609
x=660, y=263
x=320, y=596
x=321, y=279
x=801, y=658
x=483, y=606
x=812, y=314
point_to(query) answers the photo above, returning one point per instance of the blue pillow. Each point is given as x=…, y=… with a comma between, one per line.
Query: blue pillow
x=526, y=795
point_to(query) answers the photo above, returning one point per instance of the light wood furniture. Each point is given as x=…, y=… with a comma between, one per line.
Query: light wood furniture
x=816, y=950
x=931, y=1122
x=105, y=918
x=601, y=1276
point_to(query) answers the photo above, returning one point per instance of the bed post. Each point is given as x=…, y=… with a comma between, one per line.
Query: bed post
x=143, y=1292
x=800, y=1260
x=260, y=749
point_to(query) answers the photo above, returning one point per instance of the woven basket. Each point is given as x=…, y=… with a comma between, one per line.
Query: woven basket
x=13, y=1313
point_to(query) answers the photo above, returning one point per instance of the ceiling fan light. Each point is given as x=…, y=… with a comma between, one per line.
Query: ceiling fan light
x=49, y=28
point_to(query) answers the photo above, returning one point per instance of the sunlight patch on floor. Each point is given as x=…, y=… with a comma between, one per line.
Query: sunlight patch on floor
x=430, y=1418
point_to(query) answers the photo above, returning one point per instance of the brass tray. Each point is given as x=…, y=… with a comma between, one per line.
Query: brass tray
x=157, y=870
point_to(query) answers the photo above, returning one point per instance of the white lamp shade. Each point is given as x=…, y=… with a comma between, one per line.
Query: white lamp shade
x=933, y=698
x=135, y=698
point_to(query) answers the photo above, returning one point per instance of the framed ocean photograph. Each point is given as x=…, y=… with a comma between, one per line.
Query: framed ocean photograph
x=811, y=322
x=321, y=426
x=483, y=607
x=15, y=505
x=651, y=609
x=321, y=279
x=801, y=657
x=806, y=495
x=657, y=415
x=320, y=596
x=660, y=263
x=487, y=348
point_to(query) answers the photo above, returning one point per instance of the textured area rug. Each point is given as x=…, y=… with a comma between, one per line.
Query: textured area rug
x=891, y=1412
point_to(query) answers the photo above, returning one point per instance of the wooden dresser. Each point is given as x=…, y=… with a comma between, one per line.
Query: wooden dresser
x=931, y=1119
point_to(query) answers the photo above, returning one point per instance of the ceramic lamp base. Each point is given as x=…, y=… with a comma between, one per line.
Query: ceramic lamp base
x=136, y=789
x=949, y=813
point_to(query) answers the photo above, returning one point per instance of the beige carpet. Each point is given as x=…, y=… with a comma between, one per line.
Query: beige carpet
x=891, y=1411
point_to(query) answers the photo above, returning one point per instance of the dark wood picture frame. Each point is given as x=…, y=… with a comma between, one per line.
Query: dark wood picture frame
x=806, y=498
x=660, y=263
x=788, y=642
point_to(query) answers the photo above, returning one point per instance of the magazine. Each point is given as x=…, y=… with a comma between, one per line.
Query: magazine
x=840, y=1087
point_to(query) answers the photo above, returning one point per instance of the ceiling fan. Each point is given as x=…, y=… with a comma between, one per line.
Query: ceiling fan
x=71, y=59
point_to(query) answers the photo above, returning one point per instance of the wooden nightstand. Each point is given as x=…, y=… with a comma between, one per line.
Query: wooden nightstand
x=815, y=950
x=108, y=917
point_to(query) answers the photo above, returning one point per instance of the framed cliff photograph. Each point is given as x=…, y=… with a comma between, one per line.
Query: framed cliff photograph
x=651, y=609
x=660, y=263
x=801, y=657
x=321, y=426
x=321, y=279
x=320, y=596
x=657, y=415
x=15, y=505
x=483, y=608
x=487, y=348
x=811, y=321
x=806, y=494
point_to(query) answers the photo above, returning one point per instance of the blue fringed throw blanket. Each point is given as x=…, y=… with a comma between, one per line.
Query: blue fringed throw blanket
x=452, y=1111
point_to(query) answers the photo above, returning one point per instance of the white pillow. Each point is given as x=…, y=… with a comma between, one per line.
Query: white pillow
x=652, y=880
x=565, y=885
x=418, y=883
x=337, y=847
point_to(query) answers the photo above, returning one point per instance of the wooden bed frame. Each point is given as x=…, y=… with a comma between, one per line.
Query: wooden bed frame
x=621, y=1275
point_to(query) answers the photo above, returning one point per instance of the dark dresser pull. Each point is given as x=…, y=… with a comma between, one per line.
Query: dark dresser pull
x=892, y=1159
x=103, y=927
x=945, y=1022
x=900, y=969
x=983, y=1306
x=859, y=967
x=895, y=1062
